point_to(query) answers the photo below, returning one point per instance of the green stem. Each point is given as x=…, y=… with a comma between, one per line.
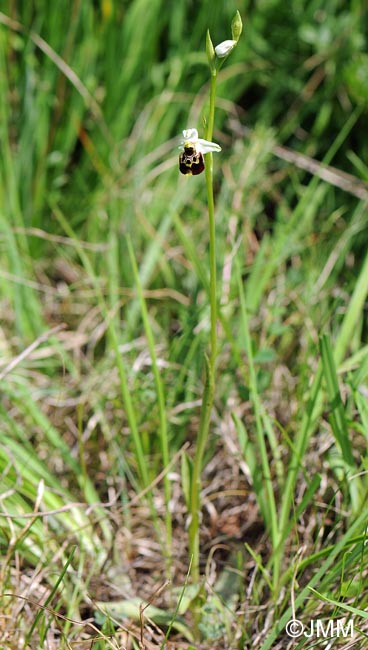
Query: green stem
x=212, y=231
x=211, y=116
x=209, y=389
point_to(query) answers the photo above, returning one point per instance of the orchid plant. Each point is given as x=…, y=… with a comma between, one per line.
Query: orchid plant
x=196, y=157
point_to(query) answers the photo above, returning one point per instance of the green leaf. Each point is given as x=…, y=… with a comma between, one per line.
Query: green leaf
x=186, y=476
x=123, y=609
x=338, y=416
x=336, y=603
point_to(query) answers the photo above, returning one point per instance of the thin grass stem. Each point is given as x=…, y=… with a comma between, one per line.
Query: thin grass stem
x=160, y=391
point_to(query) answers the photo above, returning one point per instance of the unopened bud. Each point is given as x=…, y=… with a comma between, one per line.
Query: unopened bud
x=224, y=48
x=236, y=26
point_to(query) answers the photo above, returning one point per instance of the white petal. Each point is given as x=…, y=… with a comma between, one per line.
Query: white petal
x=190, y=136
x=204, y=146
x=224, y=48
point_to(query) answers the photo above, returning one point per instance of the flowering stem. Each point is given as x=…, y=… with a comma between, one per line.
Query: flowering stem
x=208, y=393
x=211, y=218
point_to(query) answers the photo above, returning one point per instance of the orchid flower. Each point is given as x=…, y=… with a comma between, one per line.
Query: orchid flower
x=191, y=159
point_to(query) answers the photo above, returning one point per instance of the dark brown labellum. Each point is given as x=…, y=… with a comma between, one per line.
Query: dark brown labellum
x=191, y=161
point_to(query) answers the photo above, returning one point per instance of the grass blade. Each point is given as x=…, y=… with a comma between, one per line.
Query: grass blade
x=338, y=419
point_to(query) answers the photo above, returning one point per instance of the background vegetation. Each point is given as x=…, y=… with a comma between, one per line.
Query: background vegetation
x=102, y=366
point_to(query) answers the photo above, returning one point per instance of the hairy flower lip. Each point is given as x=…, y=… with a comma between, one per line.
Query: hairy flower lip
x=190, y=138
x=224, y=48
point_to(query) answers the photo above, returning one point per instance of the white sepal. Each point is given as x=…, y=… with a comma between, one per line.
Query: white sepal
x=190, y=137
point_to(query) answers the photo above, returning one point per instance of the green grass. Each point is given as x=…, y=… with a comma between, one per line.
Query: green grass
x=105, y=323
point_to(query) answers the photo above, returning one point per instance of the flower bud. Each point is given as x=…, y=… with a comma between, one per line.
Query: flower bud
x=210, y=50
x=224, y=48
x=236, y=26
